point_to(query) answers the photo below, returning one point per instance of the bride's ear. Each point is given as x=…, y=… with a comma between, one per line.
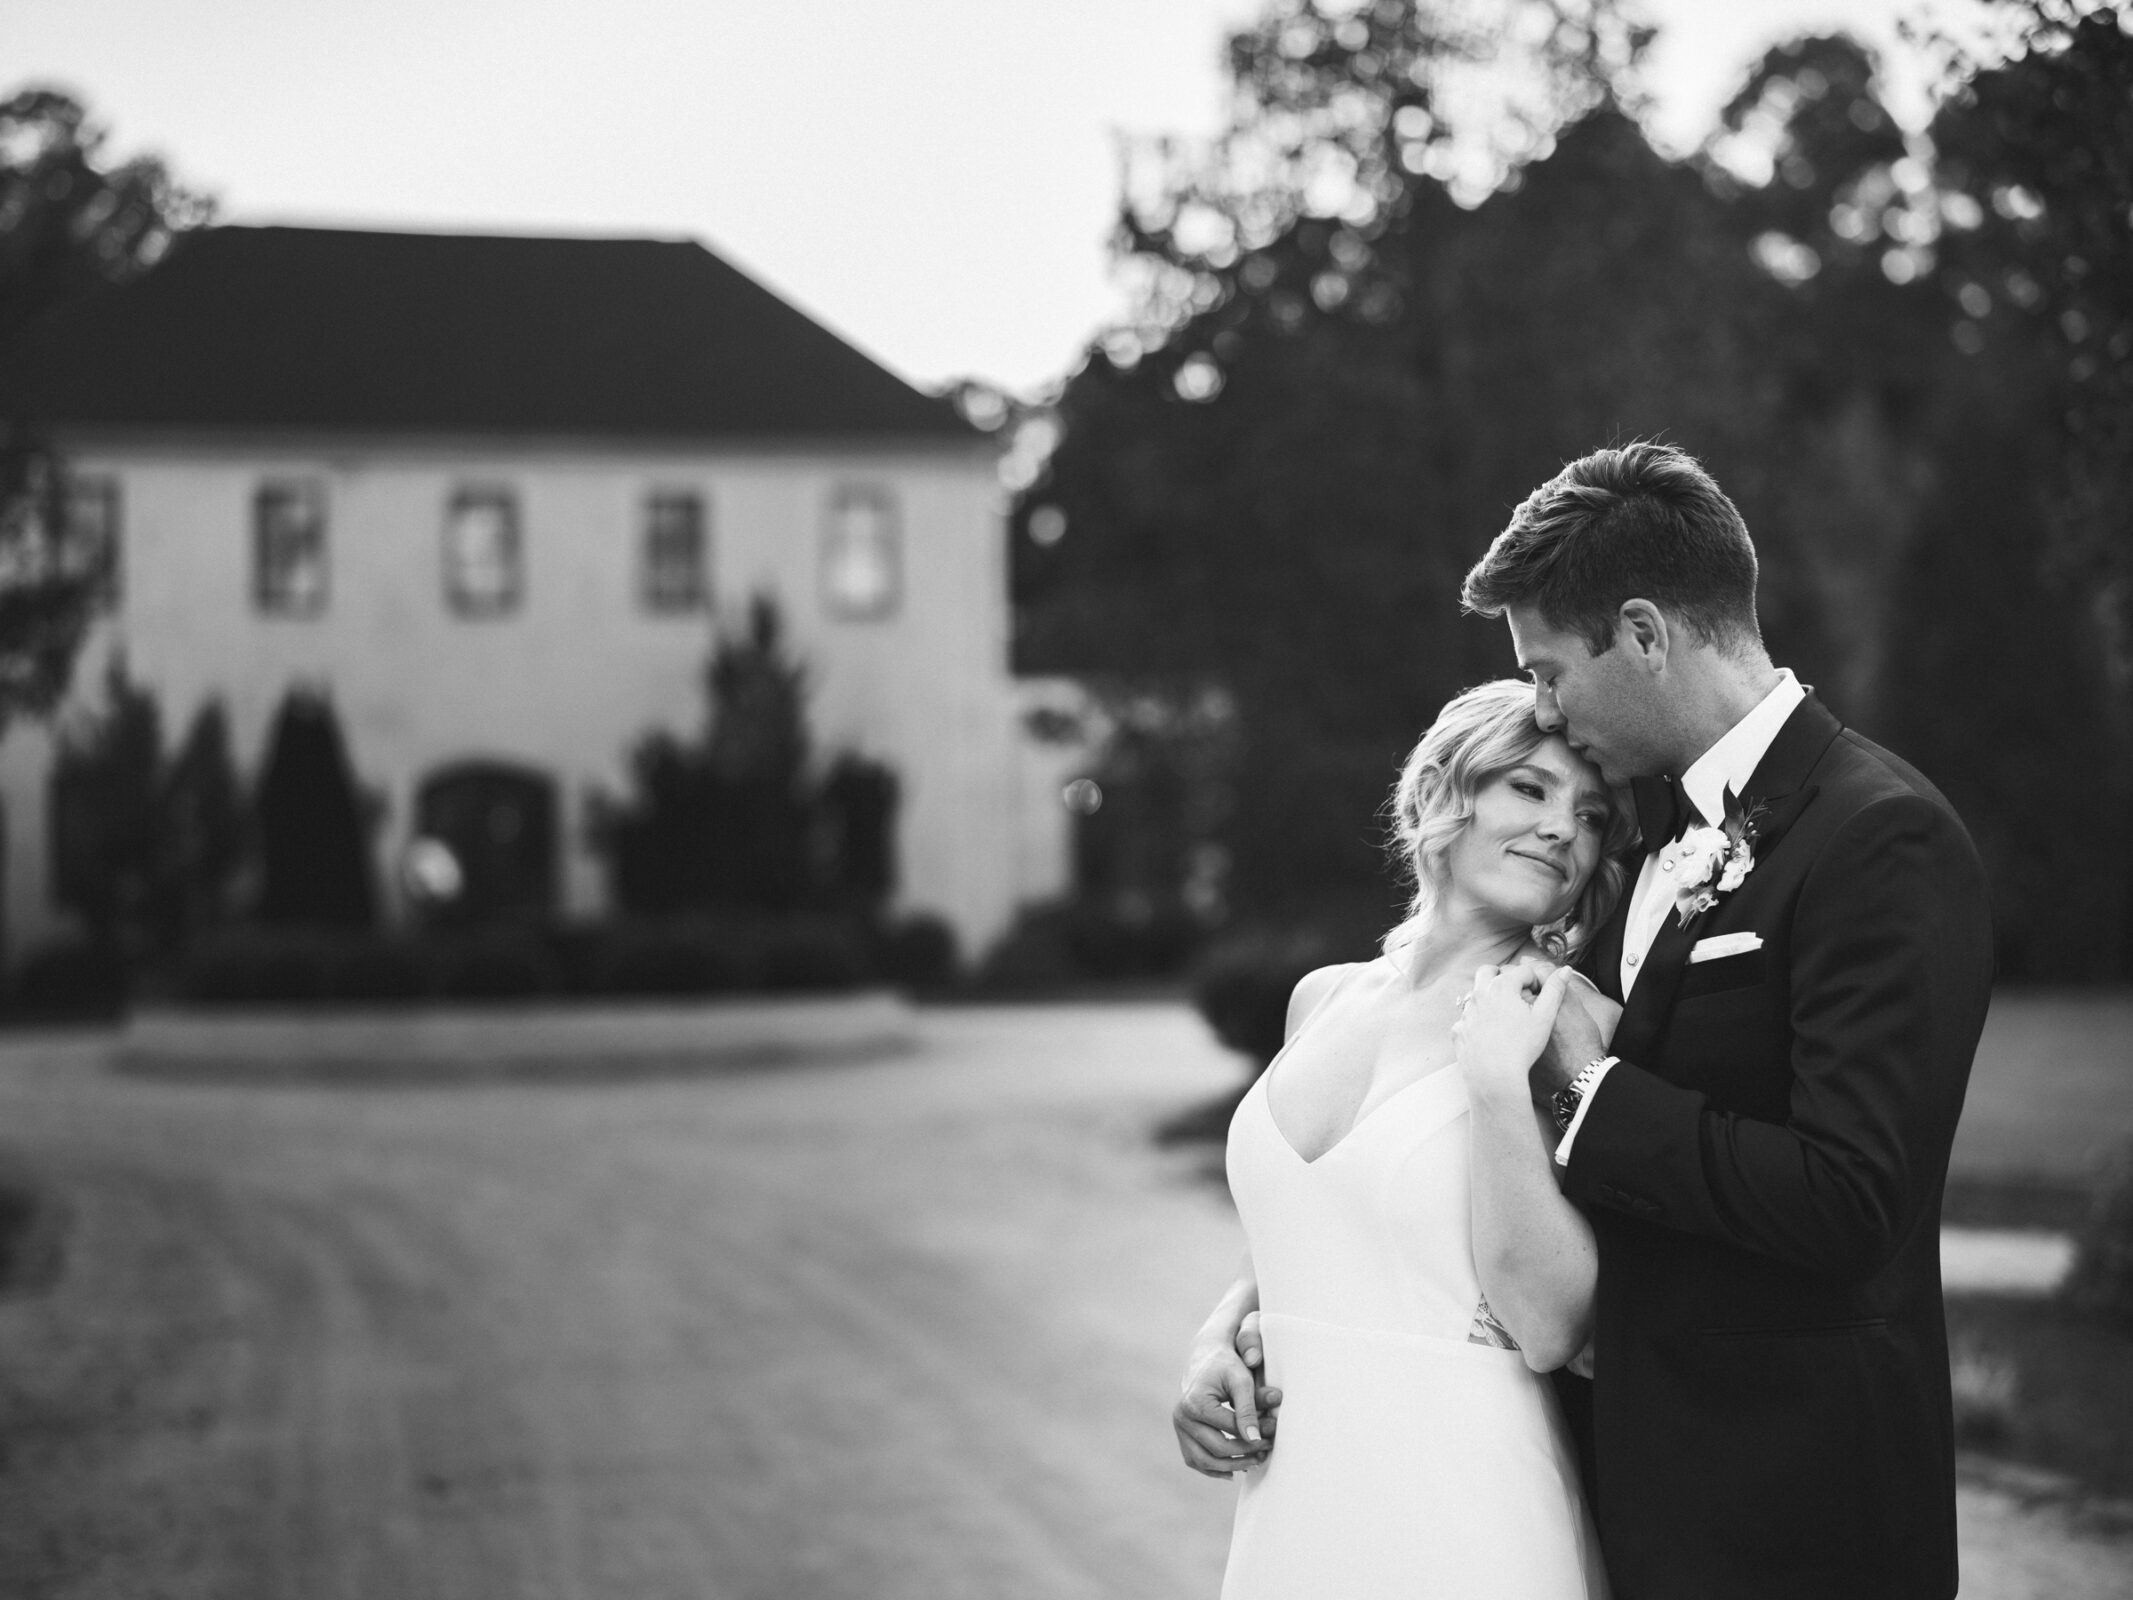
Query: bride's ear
x=1553, y=938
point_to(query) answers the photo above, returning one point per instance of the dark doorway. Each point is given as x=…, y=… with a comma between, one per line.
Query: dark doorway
x=498, y=821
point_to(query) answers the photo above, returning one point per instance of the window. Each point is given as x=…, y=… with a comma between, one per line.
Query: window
x=676, y=564
x=861, y=563
x=289, y=548
x=91, y=544
x=484, y=567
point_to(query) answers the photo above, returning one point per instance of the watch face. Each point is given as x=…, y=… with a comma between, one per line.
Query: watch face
x=1564, y=1103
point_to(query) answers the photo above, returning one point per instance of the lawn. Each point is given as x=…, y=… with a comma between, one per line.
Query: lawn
x=2046, y=1386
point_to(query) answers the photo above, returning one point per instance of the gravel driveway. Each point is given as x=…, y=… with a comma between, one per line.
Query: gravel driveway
x=895, y=1328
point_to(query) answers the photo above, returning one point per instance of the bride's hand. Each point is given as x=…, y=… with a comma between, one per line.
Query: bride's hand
x=1504, y=1025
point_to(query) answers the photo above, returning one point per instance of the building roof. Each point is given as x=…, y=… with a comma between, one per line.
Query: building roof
x=317, y=329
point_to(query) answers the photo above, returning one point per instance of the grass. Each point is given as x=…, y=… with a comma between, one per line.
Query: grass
x=2045, y=1385
x=32, y=1232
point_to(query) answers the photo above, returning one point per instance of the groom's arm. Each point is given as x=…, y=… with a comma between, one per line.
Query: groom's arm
x=1890, y=956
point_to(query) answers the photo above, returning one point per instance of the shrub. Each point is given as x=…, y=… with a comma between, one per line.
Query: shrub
x=916, y=952
x=721, y=821
x=681, y=956
x=145, y=845
x=106, y=774
x=203, y=829
x=253, y=965
x=803, y=952
x=498, y=964
x=855, y=818
x=1034, y=953
x=314, y=845
x=384, y=969
x=2102, y=1279
x=1074, y=941
x=256, y=964
x=734, y=821
x=71, y=980
x=1242, y=987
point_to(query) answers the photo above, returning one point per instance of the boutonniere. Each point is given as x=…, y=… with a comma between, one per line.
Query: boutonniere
x=1707, y=862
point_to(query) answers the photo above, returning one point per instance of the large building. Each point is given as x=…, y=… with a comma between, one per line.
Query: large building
x=494, y=496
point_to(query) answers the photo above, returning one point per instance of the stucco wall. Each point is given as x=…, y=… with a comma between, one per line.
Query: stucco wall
x=580, y=669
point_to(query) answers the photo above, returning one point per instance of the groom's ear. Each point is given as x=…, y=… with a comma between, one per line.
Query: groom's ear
x=1643, y=633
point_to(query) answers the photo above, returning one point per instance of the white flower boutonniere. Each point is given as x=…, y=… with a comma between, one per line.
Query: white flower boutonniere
x=1707, y=862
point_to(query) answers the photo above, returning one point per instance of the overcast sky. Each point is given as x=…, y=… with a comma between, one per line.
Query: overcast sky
x=933, y=178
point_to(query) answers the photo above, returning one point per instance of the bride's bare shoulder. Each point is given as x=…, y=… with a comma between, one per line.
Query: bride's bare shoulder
x=1313, y=989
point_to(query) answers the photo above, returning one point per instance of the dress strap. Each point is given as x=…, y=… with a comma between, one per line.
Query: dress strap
x=1347, y=975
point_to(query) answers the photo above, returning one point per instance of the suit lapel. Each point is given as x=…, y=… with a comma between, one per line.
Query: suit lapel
x=1780, y=785
x=1601, y=959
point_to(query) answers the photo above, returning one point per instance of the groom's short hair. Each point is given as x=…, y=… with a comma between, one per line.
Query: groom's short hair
x=1642, y=521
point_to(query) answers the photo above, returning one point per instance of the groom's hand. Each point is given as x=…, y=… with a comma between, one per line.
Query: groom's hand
x=1251, y=1346
x=1221, y=1417
x=1573, y=1043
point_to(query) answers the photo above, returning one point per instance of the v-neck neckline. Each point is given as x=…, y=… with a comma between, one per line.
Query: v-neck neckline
x=1266, y=1095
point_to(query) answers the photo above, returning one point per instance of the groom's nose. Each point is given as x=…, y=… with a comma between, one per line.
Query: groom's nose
x=1545, y=711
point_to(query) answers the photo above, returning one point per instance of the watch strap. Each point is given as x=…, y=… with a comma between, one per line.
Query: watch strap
x=1563, y=1104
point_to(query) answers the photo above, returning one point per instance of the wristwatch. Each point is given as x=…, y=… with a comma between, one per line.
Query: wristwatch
x=1564, y=1103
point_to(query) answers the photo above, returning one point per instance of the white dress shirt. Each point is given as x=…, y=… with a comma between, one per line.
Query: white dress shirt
x=1728, y=764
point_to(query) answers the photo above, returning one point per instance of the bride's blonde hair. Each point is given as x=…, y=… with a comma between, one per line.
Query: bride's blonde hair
x=1478, y=735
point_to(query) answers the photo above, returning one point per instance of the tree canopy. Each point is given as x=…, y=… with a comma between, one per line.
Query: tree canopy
x=70, y=219
x=1333, y=389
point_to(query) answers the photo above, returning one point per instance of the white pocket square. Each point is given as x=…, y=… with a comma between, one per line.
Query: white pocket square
x=1721, y=945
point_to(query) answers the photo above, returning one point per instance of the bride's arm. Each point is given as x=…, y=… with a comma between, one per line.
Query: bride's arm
x=1218, y=1417
x=1533, y=1249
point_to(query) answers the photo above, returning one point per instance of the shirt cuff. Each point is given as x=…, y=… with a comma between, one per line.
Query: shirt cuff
x=1577, y=1117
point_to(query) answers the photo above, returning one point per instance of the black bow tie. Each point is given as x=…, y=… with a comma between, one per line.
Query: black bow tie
x=1664, y=813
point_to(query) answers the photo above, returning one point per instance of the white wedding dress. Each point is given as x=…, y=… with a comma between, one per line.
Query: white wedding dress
x=1410, y=1462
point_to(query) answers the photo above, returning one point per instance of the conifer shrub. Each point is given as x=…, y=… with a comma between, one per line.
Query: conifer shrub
x=736, y=822
x=314, y=849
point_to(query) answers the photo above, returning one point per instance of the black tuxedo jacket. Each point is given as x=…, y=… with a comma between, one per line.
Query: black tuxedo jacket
x=1763, y=1171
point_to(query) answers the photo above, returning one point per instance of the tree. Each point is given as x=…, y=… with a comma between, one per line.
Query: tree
x=1269, y=479
x=203, y=832
x=2035, y=167
x=314, y=846
x=144, y=844
x=855, y=820
x=733, y=819
x=1270, y=482
x=104, y=790
x=2034, y=185
x=70, y=219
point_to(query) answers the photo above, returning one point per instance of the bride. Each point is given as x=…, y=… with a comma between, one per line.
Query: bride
x=1413, y=1269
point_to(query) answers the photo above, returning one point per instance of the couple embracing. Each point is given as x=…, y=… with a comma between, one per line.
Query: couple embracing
x=1593, y=1228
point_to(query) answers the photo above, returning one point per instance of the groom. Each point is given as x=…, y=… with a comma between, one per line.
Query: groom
x=1762, y=1145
